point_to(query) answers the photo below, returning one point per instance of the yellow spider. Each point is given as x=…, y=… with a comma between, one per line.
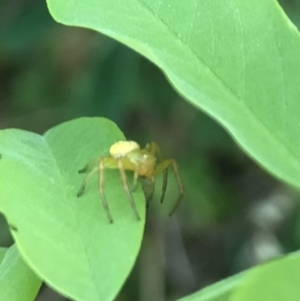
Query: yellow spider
x=127, y=155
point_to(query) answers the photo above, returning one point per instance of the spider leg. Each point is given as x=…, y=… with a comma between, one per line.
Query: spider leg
x=161, y=168
x=88, y=167
x=154, y=149
x=164, y=187
x=99, y=168
x=124, y=181
x=135, y=179
x=148, y=187
x=85, y=180
x=101, y=190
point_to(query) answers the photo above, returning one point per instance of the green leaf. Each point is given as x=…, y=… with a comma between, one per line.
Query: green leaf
x=67, y=240
x=275, y=281
x=17, y=281
x=220, y=291
x=2, y=253
x=238, y=60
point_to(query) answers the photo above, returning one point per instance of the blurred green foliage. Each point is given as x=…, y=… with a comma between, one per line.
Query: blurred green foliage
x=234, y=214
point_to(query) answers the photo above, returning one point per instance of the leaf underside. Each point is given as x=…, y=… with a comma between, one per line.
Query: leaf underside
x=237, y=60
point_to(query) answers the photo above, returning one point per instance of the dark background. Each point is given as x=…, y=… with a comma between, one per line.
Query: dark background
x=234, y=214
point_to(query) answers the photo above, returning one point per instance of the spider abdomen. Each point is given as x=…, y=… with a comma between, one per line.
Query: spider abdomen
x=122, y=148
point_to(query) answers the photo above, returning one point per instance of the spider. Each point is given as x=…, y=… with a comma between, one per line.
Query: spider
x=127, y=155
